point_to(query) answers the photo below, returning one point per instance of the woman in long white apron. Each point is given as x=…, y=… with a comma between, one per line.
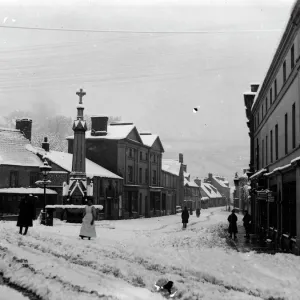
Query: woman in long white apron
x=88, y=222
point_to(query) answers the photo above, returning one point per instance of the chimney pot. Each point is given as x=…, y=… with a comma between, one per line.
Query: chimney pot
x=254, y=87
x=25, y=126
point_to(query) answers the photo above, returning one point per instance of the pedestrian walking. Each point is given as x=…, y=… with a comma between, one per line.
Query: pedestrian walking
x=232, y=219
x=198, y=212
x=185, y=217
x=26, y=213
x=247, y=223
x=88, y=222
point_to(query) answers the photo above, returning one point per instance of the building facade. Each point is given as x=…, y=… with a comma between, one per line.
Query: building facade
x=19, y=169
x=175, y=168
x=273, y=111
x=222, y=185
x=192, y=196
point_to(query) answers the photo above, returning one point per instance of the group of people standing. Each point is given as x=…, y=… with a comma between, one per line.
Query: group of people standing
x=27, y=213
x=232, y=219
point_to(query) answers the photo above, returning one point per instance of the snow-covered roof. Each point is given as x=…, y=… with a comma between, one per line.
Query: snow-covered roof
x=171, y=166
x=204, y=198
x=13, y=150
x=27, y=191
x=148, y=139
x=64, y=160
x=190, y=183
x=210, y=190
x=114, y=132
x=221, y=181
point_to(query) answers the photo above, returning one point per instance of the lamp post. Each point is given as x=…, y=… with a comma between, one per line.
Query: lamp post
x=45, y=169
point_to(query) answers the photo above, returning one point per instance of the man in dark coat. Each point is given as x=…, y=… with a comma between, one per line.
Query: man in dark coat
x=26, y=214
x=247, y=223
x=185, y=217
x=232, y=219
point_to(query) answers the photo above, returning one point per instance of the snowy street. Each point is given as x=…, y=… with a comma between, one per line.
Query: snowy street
x=128, y=256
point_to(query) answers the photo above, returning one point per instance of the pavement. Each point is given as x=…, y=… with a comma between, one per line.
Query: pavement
x=241, y=244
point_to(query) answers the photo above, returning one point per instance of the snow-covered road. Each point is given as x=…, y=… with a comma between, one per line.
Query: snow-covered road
x=128, y=256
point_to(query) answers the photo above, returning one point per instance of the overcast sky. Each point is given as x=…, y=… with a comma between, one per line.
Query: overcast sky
x=154, y=80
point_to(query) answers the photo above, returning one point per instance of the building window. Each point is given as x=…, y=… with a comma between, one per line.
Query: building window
x=275, y=89
x=34, y=177
x=262, y=112
x=130, y=152
x=271, y=96
x=284, y=71
x=147, y=156
x=14, y=179
x=154, y=158
x=146, y=176
x=141, y=155
x=286, y=133
x=263, y=153
x=271, y=146
x=130, y=174
x=294, y=126
x=141, y=175
x=266, y=104
x=154, y=179
x=257, y=119
x=276, y=141
x=292, y=57
x=267, y=159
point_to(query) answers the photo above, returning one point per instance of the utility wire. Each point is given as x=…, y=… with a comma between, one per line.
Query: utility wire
x=141, y=32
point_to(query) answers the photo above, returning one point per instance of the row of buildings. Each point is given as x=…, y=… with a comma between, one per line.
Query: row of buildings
x=119, y=167
x=273, y=113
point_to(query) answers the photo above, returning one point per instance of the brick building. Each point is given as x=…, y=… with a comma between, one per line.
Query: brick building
x=19, y=169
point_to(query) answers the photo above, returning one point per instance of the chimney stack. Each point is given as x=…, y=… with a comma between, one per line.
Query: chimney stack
x=181, y=158
x=99, y=125
x=25, y=126
x=46, y=145
x=198, y=181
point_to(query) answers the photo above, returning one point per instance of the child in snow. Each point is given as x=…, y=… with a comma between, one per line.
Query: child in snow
x=165, y=285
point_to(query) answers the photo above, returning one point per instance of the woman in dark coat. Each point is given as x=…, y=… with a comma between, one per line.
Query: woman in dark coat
x=232, y=219
x=26, y=214
x=185, y=217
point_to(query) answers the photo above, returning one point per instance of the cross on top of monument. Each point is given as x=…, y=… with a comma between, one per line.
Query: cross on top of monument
x=81, y=93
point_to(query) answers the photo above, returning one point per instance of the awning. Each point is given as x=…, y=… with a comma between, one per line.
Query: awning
x=27, y=191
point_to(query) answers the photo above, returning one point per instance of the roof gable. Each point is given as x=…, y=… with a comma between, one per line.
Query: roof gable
x=210, y=190
x=14, y=149
x=134, y=135
x=152, y=140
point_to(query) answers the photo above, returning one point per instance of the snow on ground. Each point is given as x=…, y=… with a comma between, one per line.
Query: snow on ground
x=128, y=256
x=7, y=293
